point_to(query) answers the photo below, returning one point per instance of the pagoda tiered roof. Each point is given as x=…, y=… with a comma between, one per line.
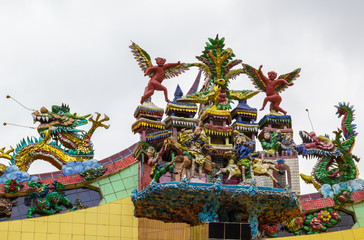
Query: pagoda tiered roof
x=180, y=108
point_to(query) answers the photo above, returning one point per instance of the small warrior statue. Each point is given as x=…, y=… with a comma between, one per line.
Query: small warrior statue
x=243, y=149
x=270, y=142
x=155, y=161
x=287, y=143
x=198, y=148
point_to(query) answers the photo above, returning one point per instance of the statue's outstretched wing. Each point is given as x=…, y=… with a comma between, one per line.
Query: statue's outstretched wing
x=176, y=70
x=200, y=97
x=289, y=77
x=242, y=95
x=206, y=69
x=232, y=74
x=141, y=56
x=253, y=74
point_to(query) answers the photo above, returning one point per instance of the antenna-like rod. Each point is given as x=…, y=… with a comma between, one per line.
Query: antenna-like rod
x=308, y=113
x=8, y=96
x=17, y=125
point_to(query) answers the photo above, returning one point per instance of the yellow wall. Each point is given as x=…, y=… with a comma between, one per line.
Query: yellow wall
x=109, y=221
x=115, y=220
x=158, y=230
x=351, y=234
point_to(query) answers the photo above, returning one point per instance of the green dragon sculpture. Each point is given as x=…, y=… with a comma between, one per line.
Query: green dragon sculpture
x=59, y=142
x=336, y=162
x=47, y=201
x=217, y=64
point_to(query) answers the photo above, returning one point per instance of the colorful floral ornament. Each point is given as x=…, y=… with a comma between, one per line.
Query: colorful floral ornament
x=296, y=223
x=316, y=224
x=343, y=196
x=93, y=173
x=324, y=216
x=335, y=215
x=270, y=231
x=12, y=186
x=313, y=223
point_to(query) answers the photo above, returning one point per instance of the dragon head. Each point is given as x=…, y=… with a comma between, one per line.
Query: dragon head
x=37, y=188
x=317, y=146
x=341, y=110
x=58, y=119
x=347, y=126
x=321, y=147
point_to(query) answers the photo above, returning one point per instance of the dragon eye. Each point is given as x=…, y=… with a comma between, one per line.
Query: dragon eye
x=60, y=112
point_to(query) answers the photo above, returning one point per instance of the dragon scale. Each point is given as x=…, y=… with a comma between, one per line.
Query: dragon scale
x=47, y=152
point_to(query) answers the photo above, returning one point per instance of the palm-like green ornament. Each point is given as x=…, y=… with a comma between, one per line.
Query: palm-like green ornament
x=217, y=64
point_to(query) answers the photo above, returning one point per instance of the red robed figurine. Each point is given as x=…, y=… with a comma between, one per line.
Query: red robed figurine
x=155, y=82
x=271, y=86
x=157, y=73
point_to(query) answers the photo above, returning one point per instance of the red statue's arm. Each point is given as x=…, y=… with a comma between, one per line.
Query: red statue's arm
x=282, y=81
x=168, y=65
x=262, y=76
x=147, y=71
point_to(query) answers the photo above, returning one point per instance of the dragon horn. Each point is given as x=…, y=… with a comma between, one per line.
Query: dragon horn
x=86, y=116
x=74, y=116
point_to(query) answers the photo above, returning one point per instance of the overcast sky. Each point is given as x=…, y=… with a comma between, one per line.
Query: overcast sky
x=76, y=52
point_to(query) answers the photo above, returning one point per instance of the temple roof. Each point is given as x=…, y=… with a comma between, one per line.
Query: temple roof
x=243, y=105
x=245, y=111
x=184, y=107
x=276, y=119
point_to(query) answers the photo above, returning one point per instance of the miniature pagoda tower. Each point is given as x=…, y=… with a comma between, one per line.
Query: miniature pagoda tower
x=245, y=117
x=148, y=119
x=149, y=125
x=153, y=131
x=180, y=114
x=280, y=125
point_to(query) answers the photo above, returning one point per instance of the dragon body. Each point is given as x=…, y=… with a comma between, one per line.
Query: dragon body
x=59, y=142
x=336, y=162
